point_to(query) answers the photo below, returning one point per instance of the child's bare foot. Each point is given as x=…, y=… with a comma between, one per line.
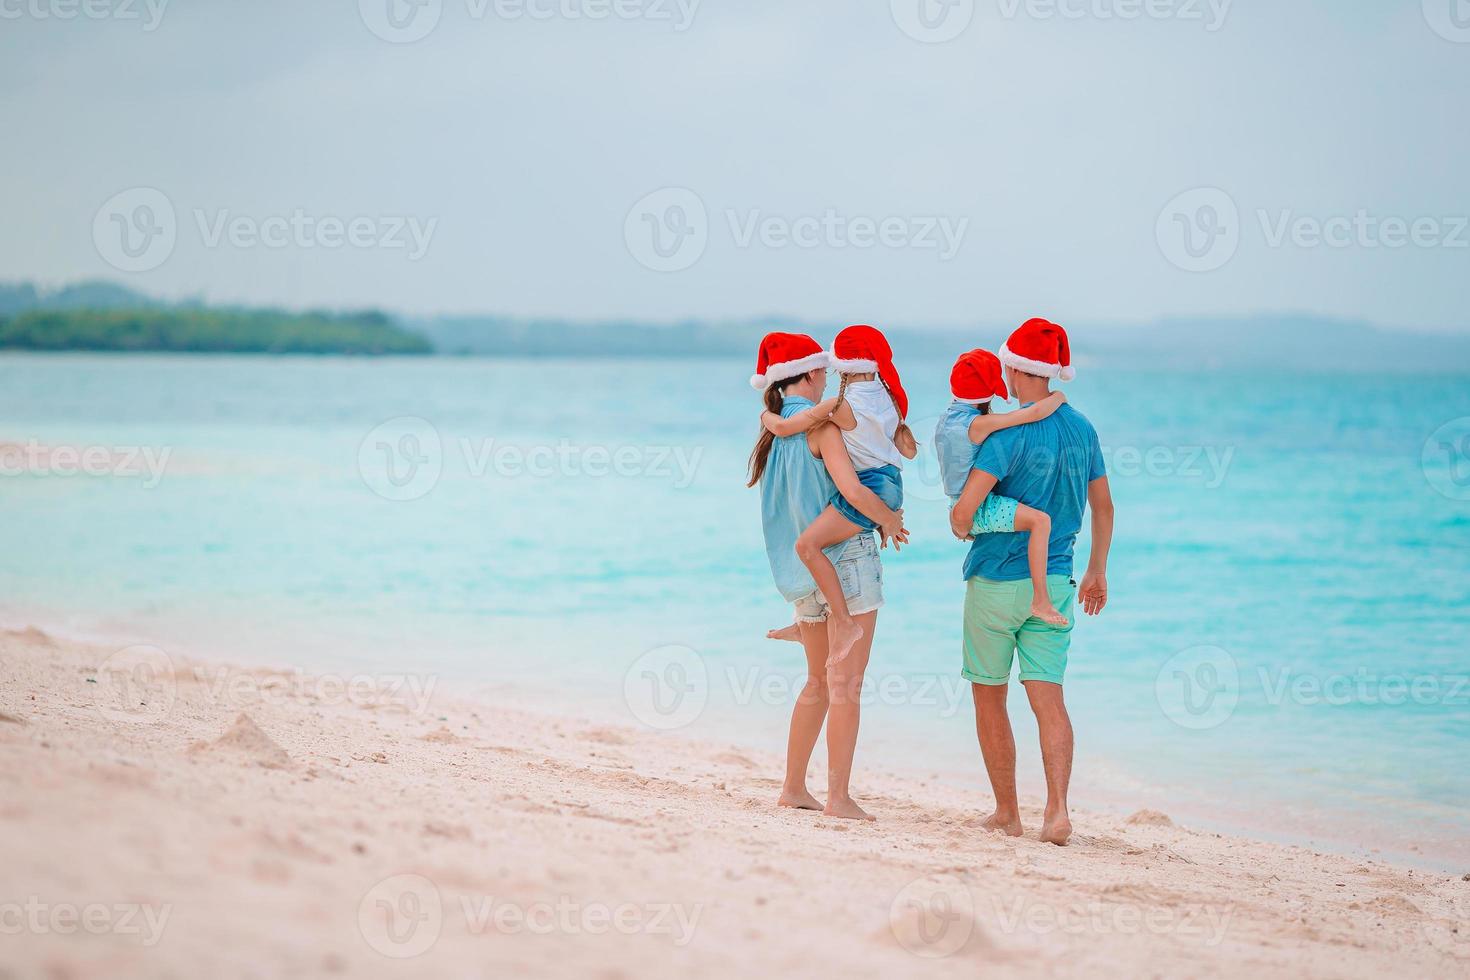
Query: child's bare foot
x=799, y=800
x=842, y=636
x=792, y=633
x=1057, y=830
x=1010, y=826
x=847, y=810
x=1047, y=613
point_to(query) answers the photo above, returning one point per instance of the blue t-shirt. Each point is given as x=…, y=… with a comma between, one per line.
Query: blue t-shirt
x=1046, y=465
x=953, y=447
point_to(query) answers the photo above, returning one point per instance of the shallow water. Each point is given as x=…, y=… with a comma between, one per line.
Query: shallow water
x=1285, y=650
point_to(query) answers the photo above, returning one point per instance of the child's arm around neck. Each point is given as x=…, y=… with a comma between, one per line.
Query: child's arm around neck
x=982, y=426
x=799, y=422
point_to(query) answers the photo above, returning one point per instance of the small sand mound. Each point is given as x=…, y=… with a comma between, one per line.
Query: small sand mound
x=443, y=735
x=246, y=739
x=32, y=636
x=10, y=719
x=1151, y=818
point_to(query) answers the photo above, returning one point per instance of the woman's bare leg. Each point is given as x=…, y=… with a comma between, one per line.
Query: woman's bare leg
x=806, y=719
x=1038, y=525
x=844, y=712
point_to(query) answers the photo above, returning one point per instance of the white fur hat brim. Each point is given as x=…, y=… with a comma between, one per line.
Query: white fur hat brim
x=854, y=366
x=789, y=369
x=1039, y=368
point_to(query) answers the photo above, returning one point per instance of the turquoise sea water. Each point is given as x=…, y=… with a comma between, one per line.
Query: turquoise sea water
x=1284, y=653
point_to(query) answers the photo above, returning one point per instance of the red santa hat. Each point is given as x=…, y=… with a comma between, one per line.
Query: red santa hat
x=977, y=378
x=786, y=355
x=1039, y=347
x=863, y=349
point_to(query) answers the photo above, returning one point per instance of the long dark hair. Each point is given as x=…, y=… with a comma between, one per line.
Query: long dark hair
x=775, y=396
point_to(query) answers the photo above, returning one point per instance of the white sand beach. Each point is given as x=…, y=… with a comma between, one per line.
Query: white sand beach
x=245, y=822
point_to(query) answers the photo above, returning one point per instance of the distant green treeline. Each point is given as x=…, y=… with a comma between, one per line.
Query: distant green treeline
x=195, y=329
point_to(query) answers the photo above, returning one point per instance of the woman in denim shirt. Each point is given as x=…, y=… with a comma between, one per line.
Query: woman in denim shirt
x=798, y=475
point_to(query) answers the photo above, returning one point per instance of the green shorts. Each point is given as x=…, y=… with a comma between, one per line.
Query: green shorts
x=998, y=625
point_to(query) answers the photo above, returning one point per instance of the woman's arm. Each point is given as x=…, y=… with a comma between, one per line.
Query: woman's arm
x=801, y=421
x=826, y=444
x=982, y=426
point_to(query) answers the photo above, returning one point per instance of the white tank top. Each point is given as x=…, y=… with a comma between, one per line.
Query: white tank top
x=870, y=443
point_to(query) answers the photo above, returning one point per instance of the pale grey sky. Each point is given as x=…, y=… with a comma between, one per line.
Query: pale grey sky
x=846, y=166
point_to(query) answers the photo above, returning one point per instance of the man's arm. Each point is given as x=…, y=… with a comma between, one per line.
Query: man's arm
x=826, y=444
x=1094, y=587
x=977, y=488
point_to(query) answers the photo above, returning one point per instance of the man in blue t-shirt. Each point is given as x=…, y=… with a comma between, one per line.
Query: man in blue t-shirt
x=1056, y=466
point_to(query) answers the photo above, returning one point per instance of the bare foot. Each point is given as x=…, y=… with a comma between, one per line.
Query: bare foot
x=1047, y=613
x=1010, y=826
x=799, y=800
x=792, y=633
x=1057, y=830
x=842, y=636
x=848, y=810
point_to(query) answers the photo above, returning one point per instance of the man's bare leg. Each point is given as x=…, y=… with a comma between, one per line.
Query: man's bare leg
x=1056, y=757
x=844, y=686
x=806, y=719
x=998, y=747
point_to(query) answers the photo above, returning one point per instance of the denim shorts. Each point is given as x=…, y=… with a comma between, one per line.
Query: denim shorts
x=860, y=571
x=885, y=481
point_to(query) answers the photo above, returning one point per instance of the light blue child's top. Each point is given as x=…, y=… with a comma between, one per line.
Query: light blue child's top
x=795, y=489
x=953, y=447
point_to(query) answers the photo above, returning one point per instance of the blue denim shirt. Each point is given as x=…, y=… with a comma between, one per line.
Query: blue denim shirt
x=794, y=491
x=953, y=447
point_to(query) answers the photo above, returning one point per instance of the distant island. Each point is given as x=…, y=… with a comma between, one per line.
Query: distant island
x=214, y=331
x=106, y=317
